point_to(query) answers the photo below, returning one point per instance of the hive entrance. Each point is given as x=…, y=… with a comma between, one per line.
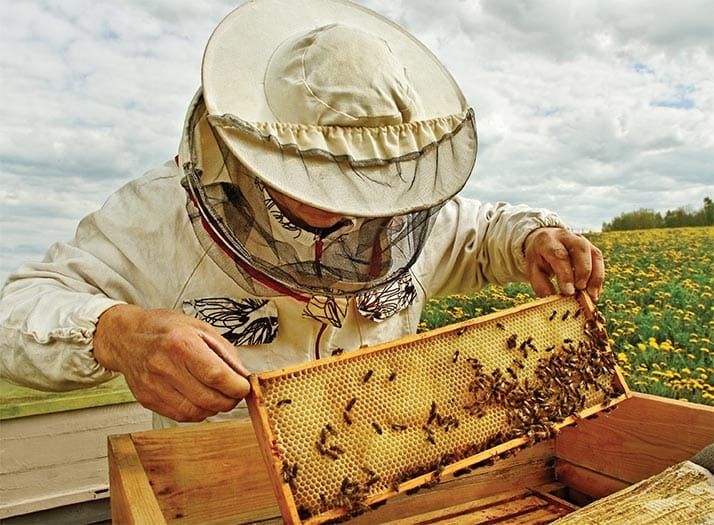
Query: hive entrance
x=347, y=432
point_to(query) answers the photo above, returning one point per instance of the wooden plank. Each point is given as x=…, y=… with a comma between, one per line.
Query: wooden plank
x=642, y=437
x=132, y=499
x=588, y=482
x=522, y=506
x=215, y=474
x=56, y=439
x=501, y=505
x=96, y=512
x=545, y=494
x=59, y=459
x=538, y=516
x=17, y=401
x=208, y=473
x=43, y=502
x=532, y=467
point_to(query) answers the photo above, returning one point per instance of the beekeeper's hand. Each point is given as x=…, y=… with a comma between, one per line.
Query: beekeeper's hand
x=573, y=260
x=174, y=364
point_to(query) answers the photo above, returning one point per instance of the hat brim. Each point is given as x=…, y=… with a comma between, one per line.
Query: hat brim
x=234, y=65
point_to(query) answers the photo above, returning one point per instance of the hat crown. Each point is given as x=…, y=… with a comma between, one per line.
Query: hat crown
x=341, y=76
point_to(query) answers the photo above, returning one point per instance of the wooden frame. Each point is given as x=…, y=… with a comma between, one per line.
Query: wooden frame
x=214, y=473
x=260, y=411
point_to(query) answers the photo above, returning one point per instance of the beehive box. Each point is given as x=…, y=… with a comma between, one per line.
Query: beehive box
x=343, y=434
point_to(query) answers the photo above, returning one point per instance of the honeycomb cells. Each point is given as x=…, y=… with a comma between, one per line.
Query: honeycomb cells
x=373, y=418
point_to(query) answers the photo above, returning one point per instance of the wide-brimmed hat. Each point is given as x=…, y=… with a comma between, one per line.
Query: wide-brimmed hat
x=337, y=107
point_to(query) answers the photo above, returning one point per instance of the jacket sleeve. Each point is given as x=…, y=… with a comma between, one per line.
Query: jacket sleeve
x=49, y=310
x=473, y=245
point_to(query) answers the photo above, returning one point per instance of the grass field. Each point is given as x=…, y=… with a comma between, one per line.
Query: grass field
x=658, y=302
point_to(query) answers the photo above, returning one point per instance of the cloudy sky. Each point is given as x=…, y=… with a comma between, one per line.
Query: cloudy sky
x=590, y=108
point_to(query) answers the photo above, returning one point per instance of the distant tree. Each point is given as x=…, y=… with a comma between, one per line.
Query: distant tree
x=644, y=218
x=677, y=218
x=708, y=212
x=641, y=219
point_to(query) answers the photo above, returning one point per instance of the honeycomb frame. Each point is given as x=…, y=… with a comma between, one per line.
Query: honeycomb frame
x=343, y=434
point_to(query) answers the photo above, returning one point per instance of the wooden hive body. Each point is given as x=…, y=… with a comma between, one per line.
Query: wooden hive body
x=345, y=433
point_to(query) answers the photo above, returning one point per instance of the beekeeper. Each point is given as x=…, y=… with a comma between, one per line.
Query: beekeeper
x=312, y=208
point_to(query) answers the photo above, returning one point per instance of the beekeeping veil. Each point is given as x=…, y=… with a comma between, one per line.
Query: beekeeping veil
x=332, y=105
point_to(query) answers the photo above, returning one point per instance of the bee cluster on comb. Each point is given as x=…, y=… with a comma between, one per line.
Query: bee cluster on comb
x=343, y=434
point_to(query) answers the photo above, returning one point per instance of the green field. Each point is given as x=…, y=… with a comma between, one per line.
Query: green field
x=658, y=302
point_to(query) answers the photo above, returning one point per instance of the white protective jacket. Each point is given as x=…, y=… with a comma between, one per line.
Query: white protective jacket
x=140, y=248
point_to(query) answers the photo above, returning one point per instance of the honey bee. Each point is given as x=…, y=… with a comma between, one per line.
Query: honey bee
x=577, y=313
x=475, y=363
x=565, y=315
x=327, y=451
x=392, y=376
x=455, y=357
x=372, y=477
x=432, y=413
x=377, y=428
x=284, y=402
x=346, y=417
x=289, y=472
x=552, y=316
x=337, y=449
x=367, y=375
x=350, y=404
x=511, y=341
x=338, y=351
x=398, y=427
x=500, y=326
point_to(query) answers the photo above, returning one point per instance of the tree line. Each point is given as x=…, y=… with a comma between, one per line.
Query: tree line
x=644, y=218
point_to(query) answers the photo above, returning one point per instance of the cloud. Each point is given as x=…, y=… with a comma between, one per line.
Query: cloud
x=588, y=108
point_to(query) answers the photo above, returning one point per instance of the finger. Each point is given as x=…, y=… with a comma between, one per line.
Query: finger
x=203, y=396
x=167, y=401
x=597, y=276
x=165, y=374
x=558, y=257
x=540, y=281
x=212, y=371
x=580, y=259
x=226, y=351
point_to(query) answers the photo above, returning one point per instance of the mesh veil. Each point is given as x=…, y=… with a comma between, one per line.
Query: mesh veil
x=230, y=208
